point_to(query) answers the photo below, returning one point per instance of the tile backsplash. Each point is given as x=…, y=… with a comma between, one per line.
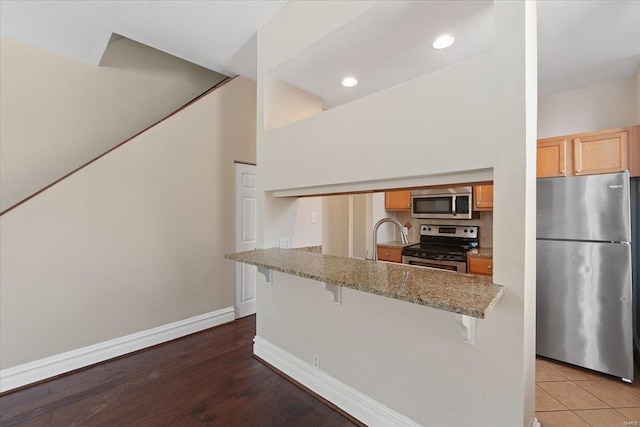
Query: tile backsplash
x=485, y=222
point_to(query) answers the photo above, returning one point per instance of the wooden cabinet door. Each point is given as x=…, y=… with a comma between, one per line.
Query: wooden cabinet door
x=552, y=157
x=389, y=254
x=397, y=200
x=483, y=198
x=482, y=266
x=603, y=153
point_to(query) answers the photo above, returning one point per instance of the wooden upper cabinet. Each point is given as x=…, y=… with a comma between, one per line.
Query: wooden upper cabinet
x=552, y=157
x=601, y=153
x=483, y=198
x=606, y=151
x=397, y=200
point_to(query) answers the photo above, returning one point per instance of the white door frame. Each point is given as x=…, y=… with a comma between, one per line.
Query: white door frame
x=245, y=237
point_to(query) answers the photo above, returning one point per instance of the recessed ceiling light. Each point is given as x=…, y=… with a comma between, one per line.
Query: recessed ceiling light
x=443, y=41
x=349, y=81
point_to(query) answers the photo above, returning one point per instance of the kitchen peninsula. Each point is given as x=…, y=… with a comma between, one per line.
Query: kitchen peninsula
x=465, y=294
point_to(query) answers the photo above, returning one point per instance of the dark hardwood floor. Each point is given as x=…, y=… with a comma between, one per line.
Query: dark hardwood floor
x=206, y=378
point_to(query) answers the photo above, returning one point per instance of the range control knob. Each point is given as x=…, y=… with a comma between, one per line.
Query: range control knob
x=465, y=230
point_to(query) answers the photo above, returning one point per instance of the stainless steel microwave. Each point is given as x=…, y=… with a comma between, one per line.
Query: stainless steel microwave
x=445, y=203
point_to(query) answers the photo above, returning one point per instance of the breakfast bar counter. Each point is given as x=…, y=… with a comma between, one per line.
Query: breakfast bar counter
x=481, y=253
x=465, y=294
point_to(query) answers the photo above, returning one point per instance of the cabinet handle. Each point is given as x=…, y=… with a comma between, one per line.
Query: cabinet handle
x=489, y=267
x=386, y=254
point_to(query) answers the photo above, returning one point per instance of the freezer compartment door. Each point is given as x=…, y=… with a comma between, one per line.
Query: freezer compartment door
x=593, y=207
x=584, y=307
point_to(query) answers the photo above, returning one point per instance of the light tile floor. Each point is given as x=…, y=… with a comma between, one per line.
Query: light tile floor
x=569, y=396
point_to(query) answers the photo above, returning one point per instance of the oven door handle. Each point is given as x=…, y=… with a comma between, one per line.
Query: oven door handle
x=453, y=204
x=459, y=266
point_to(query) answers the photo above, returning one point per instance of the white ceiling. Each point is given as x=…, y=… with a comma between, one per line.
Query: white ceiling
x=218, y=35
x=581, y=42
x=390, y=44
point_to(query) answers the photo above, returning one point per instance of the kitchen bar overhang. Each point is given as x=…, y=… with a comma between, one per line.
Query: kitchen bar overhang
x=471, y=297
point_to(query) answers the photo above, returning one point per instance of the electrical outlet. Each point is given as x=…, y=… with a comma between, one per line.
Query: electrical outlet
x=284, y=243
x=316, y=361
x=314, y=217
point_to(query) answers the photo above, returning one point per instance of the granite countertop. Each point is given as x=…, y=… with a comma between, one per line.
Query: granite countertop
x=481, y=253
x=395, y=244
x=466, y=294
x=315, y=249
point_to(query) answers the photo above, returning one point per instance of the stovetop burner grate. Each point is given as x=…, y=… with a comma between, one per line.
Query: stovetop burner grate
x=444, y=242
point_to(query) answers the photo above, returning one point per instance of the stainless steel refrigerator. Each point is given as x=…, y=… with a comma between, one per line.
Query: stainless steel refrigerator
x=584, y=272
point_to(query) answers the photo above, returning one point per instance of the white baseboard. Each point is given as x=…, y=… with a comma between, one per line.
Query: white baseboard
x=48, y=367
x=350, y=400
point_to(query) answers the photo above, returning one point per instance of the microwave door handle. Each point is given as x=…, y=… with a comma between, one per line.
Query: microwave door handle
x=453, y=205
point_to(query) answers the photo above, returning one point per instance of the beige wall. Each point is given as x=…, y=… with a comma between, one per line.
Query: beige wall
x=335, y=225
x=602, y=106
x=358, y=225
x=375, y=212
x=57, y=113
x=348, y=224
x=405, y=356
x=134, y=241
x=285, y=104
x=288, y=104
x=491, y=383
x=306, y=232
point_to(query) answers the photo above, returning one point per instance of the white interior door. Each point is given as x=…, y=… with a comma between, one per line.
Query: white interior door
x=246, y=224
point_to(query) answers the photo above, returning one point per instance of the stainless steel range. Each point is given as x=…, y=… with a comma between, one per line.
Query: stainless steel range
x=442, y=246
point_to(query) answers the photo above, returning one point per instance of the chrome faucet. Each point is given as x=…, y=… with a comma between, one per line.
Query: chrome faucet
x=403, y=236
